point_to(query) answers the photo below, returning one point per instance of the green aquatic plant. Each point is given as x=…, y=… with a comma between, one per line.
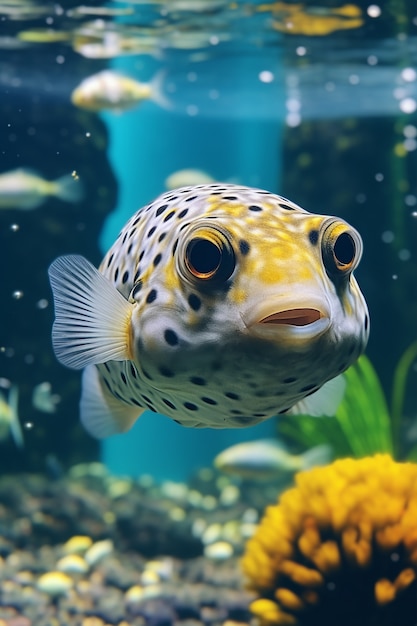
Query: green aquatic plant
x=363, y=424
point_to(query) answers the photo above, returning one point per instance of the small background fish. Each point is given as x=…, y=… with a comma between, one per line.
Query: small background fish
x=24, y=188
x=268, y=459
x=9, y=419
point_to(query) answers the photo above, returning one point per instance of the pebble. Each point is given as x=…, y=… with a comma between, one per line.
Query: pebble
x=98, y=551
x=54, y=583
x=219, y=551
x=72, y=564
x=106, y=552
x=77, y=544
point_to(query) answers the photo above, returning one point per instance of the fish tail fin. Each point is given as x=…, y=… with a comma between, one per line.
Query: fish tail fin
x=157, y=88
x=319, y=455
x=92, y=318
x=69, y=188
x=15, y=428
x=102, y=415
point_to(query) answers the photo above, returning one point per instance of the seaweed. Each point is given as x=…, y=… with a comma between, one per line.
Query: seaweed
x=363, y=424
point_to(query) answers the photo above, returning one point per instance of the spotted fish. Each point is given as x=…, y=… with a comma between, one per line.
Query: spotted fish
x=218, y=306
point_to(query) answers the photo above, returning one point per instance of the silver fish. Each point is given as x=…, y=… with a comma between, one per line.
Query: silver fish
x=219, y=306
x=268, y=459
x=25, y=189
x=9, y=418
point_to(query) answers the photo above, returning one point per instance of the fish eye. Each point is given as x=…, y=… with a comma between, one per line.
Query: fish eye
x=341, y=248
x=209, y=256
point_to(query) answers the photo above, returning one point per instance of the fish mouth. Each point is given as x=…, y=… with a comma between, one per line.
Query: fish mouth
x=294, y=322
x=293, y=317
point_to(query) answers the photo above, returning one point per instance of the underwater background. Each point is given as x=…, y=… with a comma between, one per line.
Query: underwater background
x=314, y=101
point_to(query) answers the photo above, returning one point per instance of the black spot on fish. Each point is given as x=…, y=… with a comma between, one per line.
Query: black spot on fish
x=107, y=367
x=245, y=420
x=165, y=371
x=235, y=412
x=209, y=400
x=190, y=406
x=308, y=388
x=109, y=262
x=171, y=337
x=197, y=380
x=287, y=207
x=174, y=247
x=169, y=216
x=124, y=237
x=259, y=415
x=161, y=209
x=183, y=213
x=151, y=297
x=366, y=322
x=157, y=259
x=129, y=250
x=125, y=277
x=231, y=395
x=148, y=400
x=123, y=377
x=291, y=379
x=168, y=403
x=313, y=236
x=133, y=371
x=141, y=256
x=131, y=233
x=229, y=198
x=194, y=302
x=255, y=208
x=162, y=237
x=191, y=198
x=137, y=289
x=135, y=401
x=116, y=274
x=151, y=231
x=244, y=246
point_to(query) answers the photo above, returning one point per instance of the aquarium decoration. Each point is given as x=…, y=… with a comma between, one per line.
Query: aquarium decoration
x=339, y=548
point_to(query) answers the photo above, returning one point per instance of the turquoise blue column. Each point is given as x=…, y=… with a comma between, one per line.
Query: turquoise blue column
x=231, y=138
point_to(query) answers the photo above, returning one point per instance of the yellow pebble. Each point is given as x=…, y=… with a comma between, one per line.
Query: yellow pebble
x=55, y=583
x=72, y=564
x=77, y=544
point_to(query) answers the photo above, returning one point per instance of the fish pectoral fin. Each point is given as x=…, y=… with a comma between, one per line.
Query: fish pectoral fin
x=92, y=318
x=103, y=415
x=325, y=401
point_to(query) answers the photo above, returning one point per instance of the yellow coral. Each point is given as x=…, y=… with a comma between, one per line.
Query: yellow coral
x=339, y=548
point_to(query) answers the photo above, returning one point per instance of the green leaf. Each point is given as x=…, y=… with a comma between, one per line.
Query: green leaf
x=362, y=424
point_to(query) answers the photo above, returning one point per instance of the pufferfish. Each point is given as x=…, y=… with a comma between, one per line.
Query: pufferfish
x=219, y=306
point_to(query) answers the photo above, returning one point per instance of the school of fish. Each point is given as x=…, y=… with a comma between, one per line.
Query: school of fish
x=219, y=306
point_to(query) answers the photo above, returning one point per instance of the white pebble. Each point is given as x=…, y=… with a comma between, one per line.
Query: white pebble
x=219, y=551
